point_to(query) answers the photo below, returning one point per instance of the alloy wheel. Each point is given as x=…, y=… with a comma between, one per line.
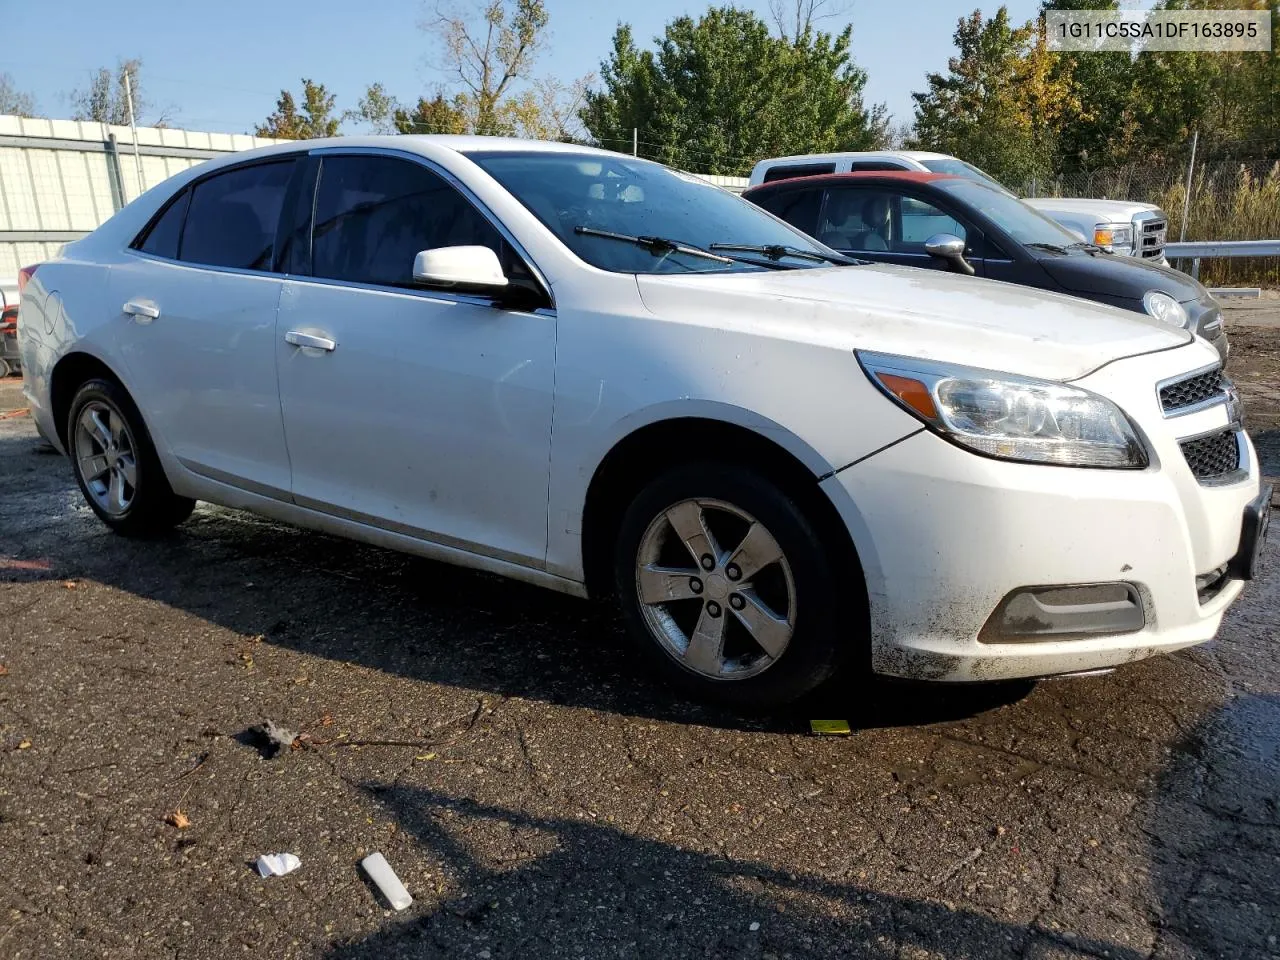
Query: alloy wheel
x=715, y=589
x=106, y=457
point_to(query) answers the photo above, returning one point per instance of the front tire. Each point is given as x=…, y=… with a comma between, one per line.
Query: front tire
x=115, y=463
x=728, y=589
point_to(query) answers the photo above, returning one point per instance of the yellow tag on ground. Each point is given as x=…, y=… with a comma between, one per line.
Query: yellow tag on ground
x=829, y=726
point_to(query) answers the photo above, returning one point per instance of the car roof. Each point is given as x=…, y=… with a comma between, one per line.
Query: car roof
x=897, y=176
x=858, y=155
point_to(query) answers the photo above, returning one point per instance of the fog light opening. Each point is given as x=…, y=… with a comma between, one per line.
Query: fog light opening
x=1031, y=614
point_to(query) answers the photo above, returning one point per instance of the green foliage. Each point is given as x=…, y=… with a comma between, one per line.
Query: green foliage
x=1000, y=104
x=721, y=92
x=316, y=118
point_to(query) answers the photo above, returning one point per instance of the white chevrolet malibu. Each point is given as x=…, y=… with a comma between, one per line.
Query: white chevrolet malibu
x=599, y=375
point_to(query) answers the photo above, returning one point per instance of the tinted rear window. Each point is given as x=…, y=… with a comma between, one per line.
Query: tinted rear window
x=232, y=217
x=162, y=238
x=798, y=207
x=798, y=170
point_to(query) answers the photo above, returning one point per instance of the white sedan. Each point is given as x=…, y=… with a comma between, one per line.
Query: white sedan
x=596, y=374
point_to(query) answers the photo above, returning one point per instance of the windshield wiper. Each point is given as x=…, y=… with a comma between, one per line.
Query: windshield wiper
x=655, y=245
x=1051, y=247
x=776, y=251
x=1086, y=245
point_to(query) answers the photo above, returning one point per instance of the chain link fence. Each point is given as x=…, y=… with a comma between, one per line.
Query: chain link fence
x=1231, y=199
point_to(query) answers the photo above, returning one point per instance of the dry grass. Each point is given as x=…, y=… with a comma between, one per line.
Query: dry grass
x=1229, y=201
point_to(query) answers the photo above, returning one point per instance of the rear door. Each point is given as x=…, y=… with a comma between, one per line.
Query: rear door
x=430, y=413
x=197, y=334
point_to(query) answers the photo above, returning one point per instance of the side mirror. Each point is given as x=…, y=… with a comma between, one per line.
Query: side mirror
x=463, y=268
x=946, y=246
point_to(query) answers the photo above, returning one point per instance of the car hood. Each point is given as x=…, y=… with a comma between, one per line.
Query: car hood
x=1114, y=211
x=1113, y=276
x=914, y=312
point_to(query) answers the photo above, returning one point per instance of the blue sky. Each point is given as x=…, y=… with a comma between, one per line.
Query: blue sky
x=223, y=67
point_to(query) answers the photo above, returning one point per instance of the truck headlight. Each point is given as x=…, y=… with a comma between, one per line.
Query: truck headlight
x=1164, y=307
x=1113, y=236
x=1010, y=417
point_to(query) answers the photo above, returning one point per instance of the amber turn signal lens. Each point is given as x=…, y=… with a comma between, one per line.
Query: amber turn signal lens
x=911, y=392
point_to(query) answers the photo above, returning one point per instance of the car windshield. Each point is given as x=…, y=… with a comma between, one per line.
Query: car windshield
x=958, y=168
x=582, y=196
x=1025, y=224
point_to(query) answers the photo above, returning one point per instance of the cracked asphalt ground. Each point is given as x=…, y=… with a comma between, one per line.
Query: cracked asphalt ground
x=540, y=799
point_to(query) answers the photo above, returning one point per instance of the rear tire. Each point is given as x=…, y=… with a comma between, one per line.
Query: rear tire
x=115, y=463
x=729, y=591
x=5, y=369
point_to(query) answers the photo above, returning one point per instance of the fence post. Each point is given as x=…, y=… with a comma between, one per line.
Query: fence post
x=1186, y=194
x=113, y=173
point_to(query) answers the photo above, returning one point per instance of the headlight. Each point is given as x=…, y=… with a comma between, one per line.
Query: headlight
x=1164, y=307
x=1113, y=236
x=1010, y=417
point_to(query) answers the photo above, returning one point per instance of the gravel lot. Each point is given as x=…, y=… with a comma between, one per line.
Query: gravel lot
x=539, y=799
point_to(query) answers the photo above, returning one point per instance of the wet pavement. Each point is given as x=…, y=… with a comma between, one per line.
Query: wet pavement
x=539, y=798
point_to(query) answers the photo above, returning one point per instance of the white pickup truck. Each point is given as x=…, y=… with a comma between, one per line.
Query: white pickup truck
x=1119, y=226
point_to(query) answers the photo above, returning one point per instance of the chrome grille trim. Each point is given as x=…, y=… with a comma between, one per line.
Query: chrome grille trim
x=1151, y=239
x=1192, y=392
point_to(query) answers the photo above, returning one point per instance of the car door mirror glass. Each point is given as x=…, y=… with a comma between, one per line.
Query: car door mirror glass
x=464, y=268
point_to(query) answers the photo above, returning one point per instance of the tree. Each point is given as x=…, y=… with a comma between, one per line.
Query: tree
x=15, y=102
x=315, y=120
x=722, y=91
x=1000, y=105
x=106, y=98
x=795, y=18
x=490, y=50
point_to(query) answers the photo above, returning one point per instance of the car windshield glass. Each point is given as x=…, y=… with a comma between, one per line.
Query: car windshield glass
x=958, y=168
x=1025, y=224
x=638, y=198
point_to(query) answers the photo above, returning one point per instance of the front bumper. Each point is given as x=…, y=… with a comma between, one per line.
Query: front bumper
x=945, y=536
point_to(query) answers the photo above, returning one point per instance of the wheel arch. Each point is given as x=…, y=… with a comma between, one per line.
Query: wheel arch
x=659, y=445
x=71, y=371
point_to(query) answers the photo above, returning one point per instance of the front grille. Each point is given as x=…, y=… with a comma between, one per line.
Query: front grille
x=1151, y=242
x=1213, y=456
x=1191, y=391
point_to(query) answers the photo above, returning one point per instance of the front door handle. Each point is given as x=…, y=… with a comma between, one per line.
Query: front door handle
x=143, y=311
x=300, y=339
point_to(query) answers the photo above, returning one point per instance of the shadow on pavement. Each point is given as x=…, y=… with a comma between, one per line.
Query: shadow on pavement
x=407, y=616
x=1213, y=828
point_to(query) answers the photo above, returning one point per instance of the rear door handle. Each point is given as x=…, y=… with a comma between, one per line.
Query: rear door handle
x=143, y=311
x=299, y=339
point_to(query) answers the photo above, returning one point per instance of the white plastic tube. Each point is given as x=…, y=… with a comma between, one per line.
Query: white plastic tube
x=380, y=872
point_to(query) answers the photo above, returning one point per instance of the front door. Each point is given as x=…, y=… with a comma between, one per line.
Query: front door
x=421, y=412
x=197, y=332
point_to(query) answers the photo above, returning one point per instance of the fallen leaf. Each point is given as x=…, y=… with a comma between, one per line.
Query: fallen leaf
x=25, y=745
x=4, y=671
x=178, y=819
x=69, y=584
x=326, y=721
x=425, y=756
x=247, y=658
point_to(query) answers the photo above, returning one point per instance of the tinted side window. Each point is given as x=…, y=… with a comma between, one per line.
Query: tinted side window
x=881, y=221
x=232, y=218
x=798, y=207
x=875, y=165
x=920, y=221
x=798, y=170
x=374, y=215
x=162, y=239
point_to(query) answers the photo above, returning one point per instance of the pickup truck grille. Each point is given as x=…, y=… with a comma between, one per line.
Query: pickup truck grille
x=1151, y=241
x=1214, y=456
x=1191, y=391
